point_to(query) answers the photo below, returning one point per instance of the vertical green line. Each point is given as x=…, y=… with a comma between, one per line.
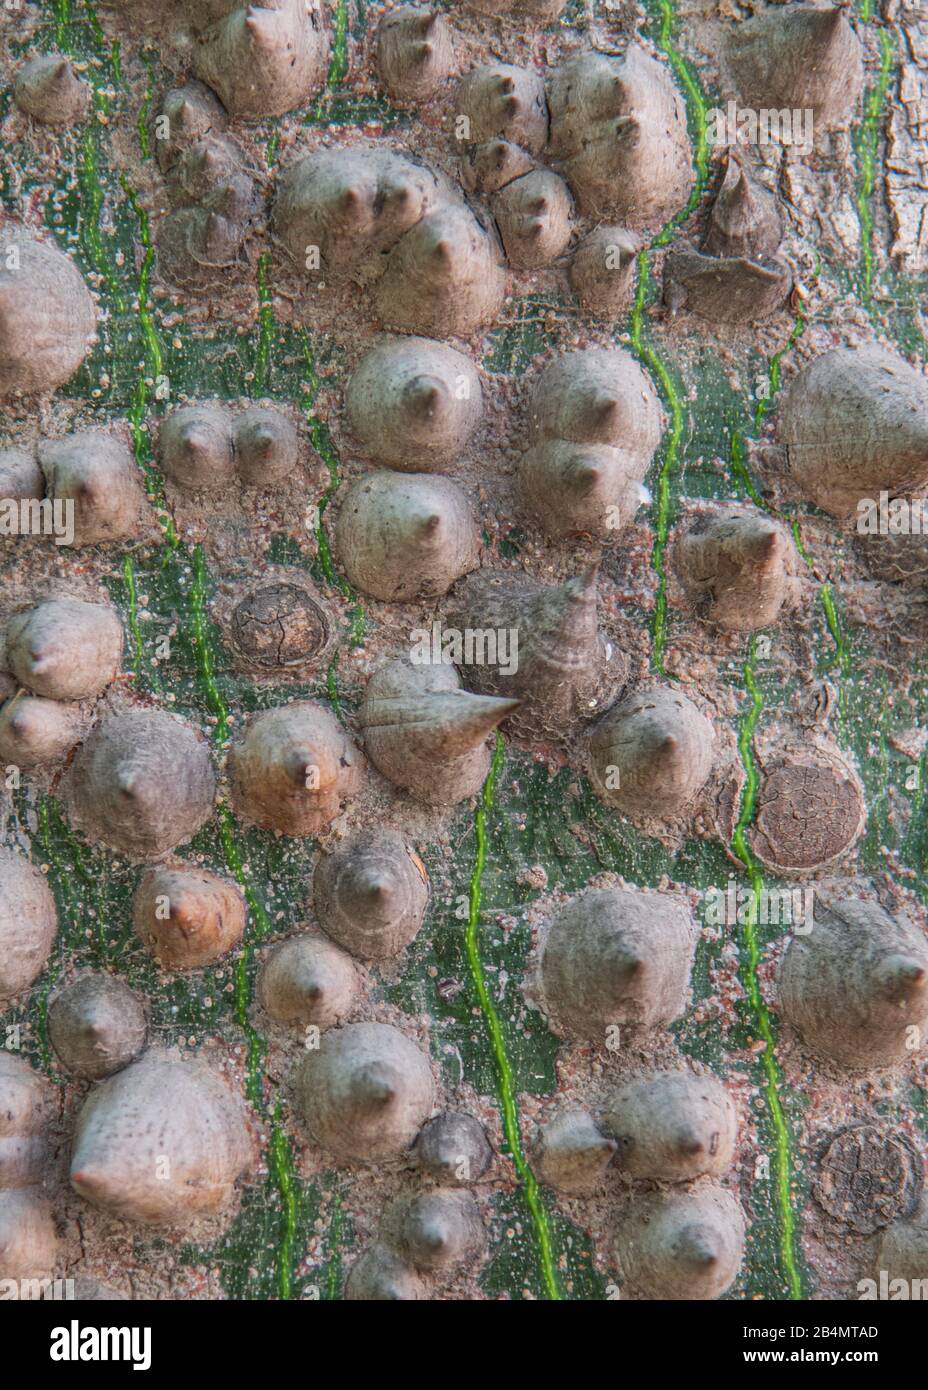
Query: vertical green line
x=338, y=67
x=696, y=111
x=338, y=63
x=128, y=574
x=333, y=1274
x=234, y=861
x=665, y=16
x=64, y=879
x=88, y=168
x=142, y=121
x=741, y=472
x=773, y=369
x=750, y=963
x=62, y=12
x=149, y=332
x=868, y=145
x=670, y=446
x=153, y=370
x=331, y=685
x=508, y=1104
x=202, y=644
x=280, y=1156
x=322, y=443
x=280, y=1163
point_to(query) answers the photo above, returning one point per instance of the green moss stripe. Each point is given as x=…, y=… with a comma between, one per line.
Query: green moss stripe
x=867, y=146
x=664, y=15
x=128, y=575
x=750, y=956
x=509, y=1109
x=322, y=443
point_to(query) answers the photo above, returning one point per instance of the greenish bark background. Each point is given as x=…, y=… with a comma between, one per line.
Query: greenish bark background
x=290, y=1234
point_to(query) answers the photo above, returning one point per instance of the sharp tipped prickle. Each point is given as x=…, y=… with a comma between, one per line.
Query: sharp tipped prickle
x=351, y=204
x=413, y=403
x=489, y=166
x=262, y=60
x=370, y=894
x=380, y=1276
x=95, y=472
x=596, y=423
x=804, y=58
x=65, y=648
x=96, y=1025
x=306, y=980
x=745, y=217
x=49, y=90
x=549, y=651
x=615, y=957
x=602, y=270
x=854, y=423
x=186, y=115
x=36, y=732
x=188, y=917
x=415, y=52
x=48, y=320
x=444, y=277
x=619, y=135
x=680, y=1246
x=453, y=1149
x=671, y=1126
x=589, y=490
x=855, y=987
x=737, y=275
x=364, y=1094
x=652, y=753
x=534, y=215
x=210, y=167
x=573, y=1155
x=500, y=101
x=161, y=1143
x=437, y=1231
x=142, y=783
x=738, y=568
x=597, y=396
x=195, y=448
x=266, y=446
x=195, y=243
x=294, y=768
x=404, y=536
x=426, y=734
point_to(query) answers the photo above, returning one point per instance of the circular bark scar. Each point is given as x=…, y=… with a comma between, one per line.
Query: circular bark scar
x=807, y=815
x=869, y=1177
x=279, y=625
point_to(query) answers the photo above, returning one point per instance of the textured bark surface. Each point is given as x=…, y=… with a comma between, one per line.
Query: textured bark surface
x=233, y=272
